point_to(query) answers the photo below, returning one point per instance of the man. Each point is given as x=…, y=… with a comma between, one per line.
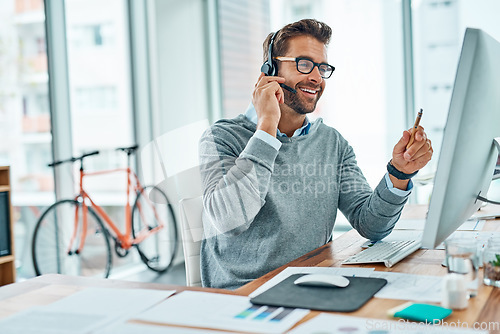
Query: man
x=273, y=180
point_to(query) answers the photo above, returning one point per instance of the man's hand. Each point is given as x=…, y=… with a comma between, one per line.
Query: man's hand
x=266, y=99
x=416, y=156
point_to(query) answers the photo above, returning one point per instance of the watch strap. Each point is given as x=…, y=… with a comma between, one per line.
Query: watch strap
x=397, y=173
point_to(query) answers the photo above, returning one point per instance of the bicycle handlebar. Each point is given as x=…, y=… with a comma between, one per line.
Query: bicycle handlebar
x=129, y=150
x=72, y=159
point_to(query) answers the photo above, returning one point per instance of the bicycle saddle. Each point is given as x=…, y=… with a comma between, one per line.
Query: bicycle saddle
x=128, y=150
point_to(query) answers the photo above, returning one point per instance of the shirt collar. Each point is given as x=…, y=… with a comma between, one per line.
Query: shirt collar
x=251, y=115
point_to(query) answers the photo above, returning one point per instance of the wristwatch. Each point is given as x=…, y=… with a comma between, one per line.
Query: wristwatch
x=398, y=174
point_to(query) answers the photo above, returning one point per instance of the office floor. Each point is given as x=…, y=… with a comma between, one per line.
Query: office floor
x=175, y=275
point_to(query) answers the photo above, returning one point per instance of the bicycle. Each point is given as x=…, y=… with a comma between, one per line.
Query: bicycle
x=73, y=235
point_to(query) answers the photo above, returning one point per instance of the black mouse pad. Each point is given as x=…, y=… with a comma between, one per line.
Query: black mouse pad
x=348, y=299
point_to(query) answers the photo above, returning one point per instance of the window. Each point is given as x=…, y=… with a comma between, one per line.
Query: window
x=438, y=31
x=100, y=95
x=25, y=118
x=96, y=98
x=100, y=87
x=243, y=26
x=92, y=35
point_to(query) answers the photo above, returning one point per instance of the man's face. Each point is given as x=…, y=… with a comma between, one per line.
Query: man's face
x=310, y=86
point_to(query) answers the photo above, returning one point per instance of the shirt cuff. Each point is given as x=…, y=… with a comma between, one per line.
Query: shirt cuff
x=397, y=191
x=267, y=138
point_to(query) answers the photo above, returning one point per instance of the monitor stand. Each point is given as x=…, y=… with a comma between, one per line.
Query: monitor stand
x=496, y=173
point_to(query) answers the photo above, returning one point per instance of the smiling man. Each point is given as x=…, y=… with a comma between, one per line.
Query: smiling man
x=273, y=180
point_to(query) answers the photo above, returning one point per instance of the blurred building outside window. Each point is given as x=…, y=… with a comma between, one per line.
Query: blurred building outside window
x=25, y=118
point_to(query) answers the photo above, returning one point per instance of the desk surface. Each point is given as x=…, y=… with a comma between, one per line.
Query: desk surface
x=483, y=308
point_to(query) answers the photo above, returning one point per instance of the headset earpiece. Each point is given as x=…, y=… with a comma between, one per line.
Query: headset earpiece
x=266, y=68
x=269, y=66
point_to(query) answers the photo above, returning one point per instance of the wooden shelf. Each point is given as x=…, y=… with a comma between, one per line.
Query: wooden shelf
x=7, y=258
x=7, y=262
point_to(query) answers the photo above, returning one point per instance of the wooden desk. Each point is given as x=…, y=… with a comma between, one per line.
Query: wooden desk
x=483, y=309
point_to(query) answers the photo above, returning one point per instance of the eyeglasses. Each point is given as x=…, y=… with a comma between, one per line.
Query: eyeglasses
x=306, y=66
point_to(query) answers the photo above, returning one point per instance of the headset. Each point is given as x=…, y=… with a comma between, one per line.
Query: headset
x=269, y=67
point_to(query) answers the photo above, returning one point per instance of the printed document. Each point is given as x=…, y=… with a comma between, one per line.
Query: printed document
x=420, y=288
x=222, y=311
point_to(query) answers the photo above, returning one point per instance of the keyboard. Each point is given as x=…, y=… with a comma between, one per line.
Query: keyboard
x=496, y=173
x=388, y=252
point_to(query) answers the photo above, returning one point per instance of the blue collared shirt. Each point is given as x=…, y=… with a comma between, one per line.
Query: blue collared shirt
x=251, y=115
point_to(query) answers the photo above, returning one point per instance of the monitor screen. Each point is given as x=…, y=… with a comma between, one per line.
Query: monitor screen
x=468, y=154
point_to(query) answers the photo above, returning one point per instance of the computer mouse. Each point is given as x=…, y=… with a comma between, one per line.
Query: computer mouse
x=322, y=280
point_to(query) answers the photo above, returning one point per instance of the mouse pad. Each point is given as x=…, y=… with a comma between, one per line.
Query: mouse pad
x=348, y=299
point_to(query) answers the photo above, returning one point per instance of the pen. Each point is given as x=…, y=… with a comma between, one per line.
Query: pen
x=417, y=122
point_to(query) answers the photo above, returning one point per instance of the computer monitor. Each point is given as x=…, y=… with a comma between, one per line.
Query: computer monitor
x=468, y=153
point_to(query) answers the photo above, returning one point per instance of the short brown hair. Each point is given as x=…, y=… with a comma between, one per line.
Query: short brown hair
x=319, y=30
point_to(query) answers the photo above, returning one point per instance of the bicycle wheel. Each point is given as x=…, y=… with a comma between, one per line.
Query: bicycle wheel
x=52, y=237
x=152, y=209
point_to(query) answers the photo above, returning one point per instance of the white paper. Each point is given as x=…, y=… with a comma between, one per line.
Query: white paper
x=221, y=311
x=333, y=324
x=109, y=301
x=422, y=288
x=134, y=328
x=83, y=311
x=350, y=272
x=38, y=321
x=472, y=225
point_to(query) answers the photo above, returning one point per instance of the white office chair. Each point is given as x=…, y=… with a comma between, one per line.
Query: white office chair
x=191, y=210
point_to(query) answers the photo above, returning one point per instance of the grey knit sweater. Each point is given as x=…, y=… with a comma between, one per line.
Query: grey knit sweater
x=264, y=208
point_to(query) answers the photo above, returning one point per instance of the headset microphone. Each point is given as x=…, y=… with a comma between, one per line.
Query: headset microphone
x=288, y=88
x=269, y=67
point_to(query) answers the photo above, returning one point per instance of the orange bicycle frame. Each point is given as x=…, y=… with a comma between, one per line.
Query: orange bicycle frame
x=125, y=239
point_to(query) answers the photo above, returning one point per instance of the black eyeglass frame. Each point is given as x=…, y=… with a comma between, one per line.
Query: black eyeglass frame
x=297, y=59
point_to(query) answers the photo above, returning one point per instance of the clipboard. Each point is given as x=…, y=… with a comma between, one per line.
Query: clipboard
x=335, y=299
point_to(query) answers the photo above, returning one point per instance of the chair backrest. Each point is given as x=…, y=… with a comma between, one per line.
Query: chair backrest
x=191, y=210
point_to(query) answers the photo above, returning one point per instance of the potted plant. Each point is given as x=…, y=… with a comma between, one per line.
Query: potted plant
x=491, y=268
